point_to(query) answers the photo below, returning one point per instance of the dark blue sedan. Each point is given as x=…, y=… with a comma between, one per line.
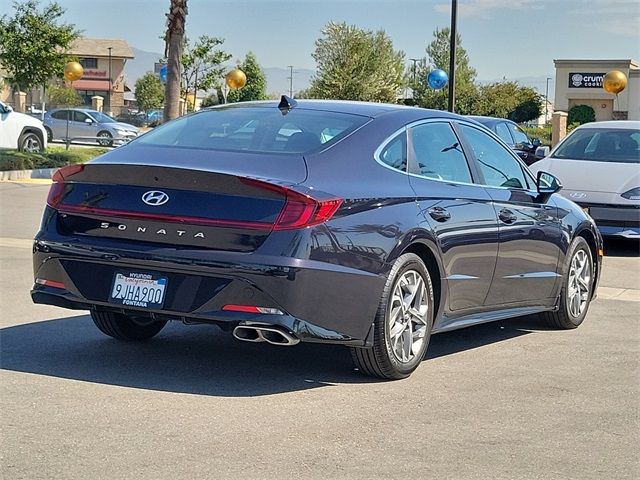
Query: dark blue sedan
x=367, y=225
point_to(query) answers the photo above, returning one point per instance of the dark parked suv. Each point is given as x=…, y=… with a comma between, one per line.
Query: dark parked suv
x=511, y=134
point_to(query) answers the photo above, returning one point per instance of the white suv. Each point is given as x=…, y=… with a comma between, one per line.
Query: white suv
x=21, y=131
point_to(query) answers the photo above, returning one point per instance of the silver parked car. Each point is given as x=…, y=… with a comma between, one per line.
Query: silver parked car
x=89, y=124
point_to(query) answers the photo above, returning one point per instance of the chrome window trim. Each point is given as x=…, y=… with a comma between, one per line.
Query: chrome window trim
x=383, y=145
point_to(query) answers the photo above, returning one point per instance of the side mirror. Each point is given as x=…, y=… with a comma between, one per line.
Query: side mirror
x=542, y=152
x=88, y=120
x=547, y=184
x=8, y=109
x=536, y=142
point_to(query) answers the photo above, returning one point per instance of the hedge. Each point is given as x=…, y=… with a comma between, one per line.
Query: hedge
x=53, y=157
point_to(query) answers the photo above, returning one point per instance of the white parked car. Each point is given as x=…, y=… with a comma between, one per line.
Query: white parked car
x=599, y=166
x=21, y=131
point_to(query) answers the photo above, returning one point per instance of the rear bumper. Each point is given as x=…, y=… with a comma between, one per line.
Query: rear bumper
x=320, y=302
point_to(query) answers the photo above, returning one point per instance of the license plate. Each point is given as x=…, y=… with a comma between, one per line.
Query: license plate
x=133, y=289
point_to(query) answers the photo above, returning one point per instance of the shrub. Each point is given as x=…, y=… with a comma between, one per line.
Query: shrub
x=53, y=157
x=581, y=114
x=543, y=133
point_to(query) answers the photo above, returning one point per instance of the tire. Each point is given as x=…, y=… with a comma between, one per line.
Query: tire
x=391, y=357
x=571, y=314
x=49, y=134
x=123, y=327
x=30, y=142
x=106, y=139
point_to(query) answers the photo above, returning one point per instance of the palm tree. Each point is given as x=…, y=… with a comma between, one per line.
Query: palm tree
x=174, y=38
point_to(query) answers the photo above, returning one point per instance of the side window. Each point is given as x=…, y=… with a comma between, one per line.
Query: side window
x=394, y=153
x=502, y=129
x=438, y=153
x=518, y=135
x=60, y=115
x=79, y=116
x=499, y=167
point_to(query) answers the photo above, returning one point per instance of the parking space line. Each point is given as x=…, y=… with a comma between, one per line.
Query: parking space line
x=16, y=242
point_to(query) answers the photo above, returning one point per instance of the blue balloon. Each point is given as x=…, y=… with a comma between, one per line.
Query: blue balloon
x=163, y=74
x=437, y=79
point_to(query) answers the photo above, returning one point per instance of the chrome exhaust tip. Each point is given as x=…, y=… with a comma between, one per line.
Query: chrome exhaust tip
x=265, y=333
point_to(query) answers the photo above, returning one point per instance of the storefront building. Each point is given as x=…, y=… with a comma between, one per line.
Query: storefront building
x=103, y=62
x=579, y=82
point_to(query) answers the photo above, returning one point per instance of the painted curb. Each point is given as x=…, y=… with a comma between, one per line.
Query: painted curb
x=13, y=175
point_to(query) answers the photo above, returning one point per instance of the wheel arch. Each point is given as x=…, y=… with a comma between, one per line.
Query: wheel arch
x=591, y=238
x=425, y=246
x=31, y=129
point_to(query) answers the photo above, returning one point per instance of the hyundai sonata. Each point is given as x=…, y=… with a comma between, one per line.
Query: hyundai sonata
x=367, y=225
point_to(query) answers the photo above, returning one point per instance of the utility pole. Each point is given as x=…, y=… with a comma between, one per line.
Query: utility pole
x=546, y=102
x=290, y=78
x=414, y=60
x=110, y=80
x=452, y=56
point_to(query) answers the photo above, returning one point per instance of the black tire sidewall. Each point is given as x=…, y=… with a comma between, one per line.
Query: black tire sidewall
x=403, y=264
x=49, y=134
x=578, y=244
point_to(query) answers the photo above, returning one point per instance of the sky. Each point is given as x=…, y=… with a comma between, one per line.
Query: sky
x=504, y=38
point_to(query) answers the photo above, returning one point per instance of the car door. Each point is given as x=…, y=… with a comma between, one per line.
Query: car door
x=80, y=126
x=529, y=229
x=58, y=123
x=459, y=212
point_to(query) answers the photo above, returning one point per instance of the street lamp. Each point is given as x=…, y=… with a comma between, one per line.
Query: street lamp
x=546, y=102
x=414, y=60
x=452, y=55
x=110, y=81
x=290, y=78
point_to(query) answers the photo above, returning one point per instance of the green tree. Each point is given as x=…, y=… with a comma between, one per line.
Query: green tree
x=33, y=43
x=581, y=114
x=202, y=65
x=256, y=87
x=210, y=100
x=356, y=64
x=508, y=100
x=173, y=39
x=61, y=96
x=149, y=92
x=438, y=58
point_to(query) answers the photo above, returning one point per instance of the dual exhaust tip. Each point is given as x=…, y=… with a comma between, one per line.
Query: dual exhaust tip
x=265, y=333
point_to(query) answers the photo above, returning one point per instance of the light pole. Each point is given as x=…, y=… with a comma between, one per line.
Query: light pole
x=290, y=77
x=546, y=102
x=452, y=56
x=414, y=60
x=110, y=81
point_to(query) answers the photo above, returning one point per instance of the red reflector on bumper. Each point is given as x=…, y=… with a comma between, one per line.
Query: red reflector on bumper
x=252, y=309
x=50, y=283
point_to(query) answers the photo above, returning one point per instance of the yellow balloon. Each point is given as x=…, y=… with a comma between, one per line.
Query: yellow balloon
x=614, y=82
x=73, y=71
x=236, y=79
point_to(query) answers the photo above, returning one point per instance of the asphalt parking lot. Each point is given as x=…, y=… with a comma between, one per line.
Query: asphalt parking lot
x=508, y=400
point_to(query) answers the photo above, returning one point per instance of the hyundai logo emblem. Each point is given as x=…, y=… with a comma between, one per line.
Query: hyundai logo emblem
x=578, y=195
x=155, y=198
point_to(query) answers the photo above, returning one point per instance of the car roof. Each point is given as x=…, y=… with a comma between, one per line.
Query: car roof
x=619, y=124
x=483, y=119
x=367, y=109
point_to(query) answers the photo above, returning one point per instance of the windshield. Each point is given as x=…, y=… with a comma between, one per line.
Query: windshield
x=101, y=117
x=601, y=145
x=255, y=129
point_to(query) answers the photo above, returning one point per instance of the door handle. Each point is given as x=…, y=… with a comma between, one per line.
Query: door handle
x=507, y=216
x=439, y=214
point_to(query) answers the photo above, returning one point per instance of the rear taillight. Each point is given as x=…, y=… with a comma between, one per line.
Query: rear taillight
x=57, y=187
x=299, y=210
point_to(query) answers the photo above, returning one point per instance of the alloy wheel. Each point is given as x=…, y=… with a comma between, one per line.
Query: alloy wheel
x=579, y=284
x=408, y=316
x=31, y=144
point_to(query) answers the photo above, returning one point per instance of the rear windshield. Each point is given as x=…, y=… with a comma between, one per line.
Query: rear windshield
x=601, y=145
x=255, y=129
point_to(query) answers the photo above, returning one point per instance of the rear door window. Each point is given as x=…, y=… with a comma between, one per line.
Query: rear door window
x=438, y=153
x=503, y=132
x=394, y=154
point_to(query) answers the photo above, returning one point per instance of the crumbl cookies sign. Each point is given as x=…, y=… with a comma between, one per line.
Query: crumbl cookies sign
x=585, y=80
